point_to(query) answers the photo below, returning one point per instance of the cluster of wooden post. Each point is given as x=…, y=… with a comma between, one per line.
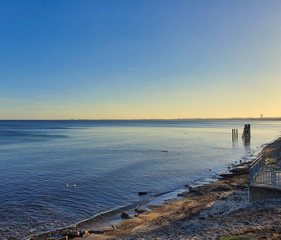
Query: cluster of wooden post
x=234, y=134
x=245, y=136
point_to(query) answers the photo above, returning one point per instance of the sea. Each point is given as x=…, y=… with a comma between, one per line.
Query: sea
x=54, y=174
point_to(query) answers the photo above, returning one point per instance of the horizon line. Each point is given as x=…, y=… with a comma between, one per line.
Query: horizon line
x=148, y=119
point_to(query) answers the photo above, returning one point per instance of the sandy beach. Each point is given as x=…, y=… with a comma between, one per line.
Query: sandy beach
x=218, y=210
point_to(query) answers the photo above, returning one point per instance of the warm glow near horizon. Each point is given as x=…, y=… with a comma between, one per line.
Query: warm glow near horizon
x=140, y=59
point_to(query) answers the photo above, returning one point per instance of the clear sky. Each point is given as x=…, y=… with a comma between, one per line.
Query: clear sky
x=125, y=59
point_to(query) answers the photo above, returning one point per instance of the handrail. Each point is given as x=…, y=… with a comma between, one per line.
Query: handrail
x=256, y=161
x=261, y=174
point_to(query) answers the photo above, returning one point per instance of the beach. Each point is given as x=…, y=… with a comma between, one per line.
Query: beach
x=57, y=174
x=82, y=176
x=213, y=211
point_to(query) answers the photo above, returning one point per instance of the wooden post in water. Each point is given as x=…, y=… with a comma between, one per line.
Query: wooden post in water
x=246, y=136
x=234, y=135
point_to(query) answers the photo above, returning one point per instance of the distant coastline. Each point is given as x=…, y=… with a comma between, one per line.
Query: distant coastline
x=156, y=119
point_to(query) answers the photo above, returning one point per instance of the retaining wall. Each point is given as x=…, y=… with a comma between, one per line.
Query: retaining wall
x=261, y=193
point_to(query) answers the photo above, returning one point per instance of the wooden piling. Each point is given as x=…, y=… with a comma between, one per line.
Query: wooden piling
x=246, y=136
x=234, y=135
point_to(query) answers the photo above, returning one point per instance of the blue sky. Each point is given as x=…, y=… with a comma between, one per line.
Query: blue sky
x=139, y=59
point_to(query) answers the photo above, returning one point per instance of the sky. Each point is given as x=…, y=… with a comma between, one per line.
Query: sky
x=142, y=59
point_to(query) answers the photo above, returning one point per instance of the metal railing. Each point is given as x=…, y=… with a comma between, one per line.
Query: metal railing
x=261, y=174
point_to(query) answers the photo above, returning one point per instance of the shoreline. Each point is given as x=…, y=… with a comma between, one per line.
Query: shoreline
x=98, y=227
x=216, y=211
x=105, y=220
x=219, y=209
x=160, y=216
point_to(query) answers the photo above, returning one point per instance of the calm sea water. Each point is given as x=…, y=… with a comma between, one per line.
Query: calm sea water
x=109, y=162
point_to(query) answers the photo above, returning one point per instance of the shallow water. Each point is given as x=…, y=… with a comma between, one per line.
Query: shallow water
x=109, y=162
